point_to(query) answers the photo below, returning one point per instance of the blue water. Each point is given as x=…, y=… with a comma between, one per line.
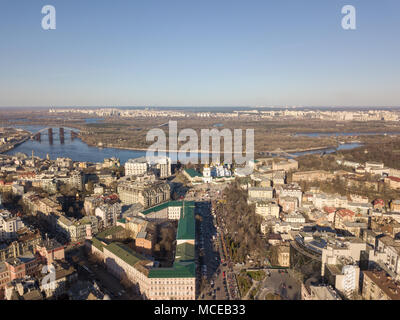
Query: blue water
x=93, y=120
x=80, y=151
x=72, y=148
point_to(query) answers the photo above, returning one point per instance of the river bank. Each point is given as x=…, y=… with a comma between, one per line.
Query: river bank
x=290, y=151
x=78, y=149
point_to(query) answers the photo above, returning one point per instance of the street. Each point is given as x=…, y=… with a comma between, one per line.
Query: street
x=95, y=272
x=216, y=269
x=281, y=283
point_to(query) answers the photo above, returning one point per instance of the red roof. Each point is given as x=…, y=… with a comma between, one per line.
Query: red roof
x=27, y=174
x=394, y=178
x=329, y=209
x=345, y=212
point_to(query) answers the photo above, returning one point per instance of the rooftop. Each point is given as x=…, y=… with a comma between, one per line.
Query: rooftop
x=184, y=252
x=162, y=206
x=193, y=173
x=177, y=271
x=125, y=253
x=110, y=232
x=186, y=224
x=390, y=287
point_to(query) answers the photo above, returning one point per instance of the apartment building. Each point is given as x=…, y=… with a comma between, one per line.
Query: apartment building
x=285, y=165
x=91, y=203
x=148, y=193
x=344, y=276
x=144, y=242
x=322, y=292
x=9, y=225
x=395, y=205
x=162, y=167
x=26, y=243
x=21, y=266
x=109, y=213
x=288, y=204
x=49, y=251
x=77, y=230
x=316, y=175
x=291, y=190
x=387, y=255
x=321, y=200
x=256, y=194
x=64, y=163
x=378, y=285
x=283, y=253
x=337, y=250
x=111, y=162
x=4, y=276
x=136, y=167
x=370, y=165
x=65, y=276
x=295, y=217
x=267, y=209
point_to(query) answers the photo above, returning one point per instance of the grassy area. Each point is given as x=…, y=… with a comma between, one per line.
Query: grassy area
x=244, y=282
x=253, y=293
x=271, y=296
x=256, y=275
x=269, y=134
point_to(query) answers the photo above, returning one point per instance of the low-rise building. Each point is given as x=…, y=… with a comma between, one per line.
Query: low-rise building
x=315, y=175
x=318, y=292
x=283, y=253
x=288, y=204
x=267, y=209
x=144, y=242
x=77, y=230
x=295, y=217
x=256, y=194
x=285, y=164
x=395, y=205
x=291, y=190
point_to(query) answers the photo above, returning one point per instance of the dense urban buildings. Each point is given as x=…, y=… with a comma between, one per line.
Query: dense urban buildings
x=319, y=226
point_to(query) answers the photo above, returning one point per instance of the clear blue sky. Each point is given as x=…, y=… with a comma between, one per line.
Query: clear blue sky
x=199, y=52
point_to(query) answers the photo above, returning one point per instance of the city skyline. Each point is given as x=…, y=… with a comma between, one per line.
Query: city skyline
x=204, y=54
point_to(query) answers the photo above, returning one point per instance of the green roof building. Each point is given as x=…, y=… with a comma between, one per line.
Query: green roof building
x=193, y=173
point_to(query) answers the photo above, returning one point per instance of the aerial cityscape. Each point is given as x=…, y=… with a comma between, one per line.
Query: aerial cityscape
x=321, y=223
x=159, y=170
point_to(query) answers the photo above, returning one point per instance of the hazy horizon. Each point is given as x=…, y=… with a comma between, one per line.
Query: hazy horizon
x=208, y=53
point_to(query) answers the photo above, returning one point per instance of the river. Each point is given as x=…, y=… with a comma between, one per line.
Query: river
x=77, y=150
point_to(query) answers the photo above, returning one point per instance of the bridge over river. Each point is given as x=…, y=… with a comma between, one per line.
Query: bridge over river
x=49, y=131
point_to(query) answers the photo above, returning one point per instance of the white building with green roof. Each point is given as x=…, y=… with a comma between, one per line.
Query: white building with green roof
x=177, y=282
